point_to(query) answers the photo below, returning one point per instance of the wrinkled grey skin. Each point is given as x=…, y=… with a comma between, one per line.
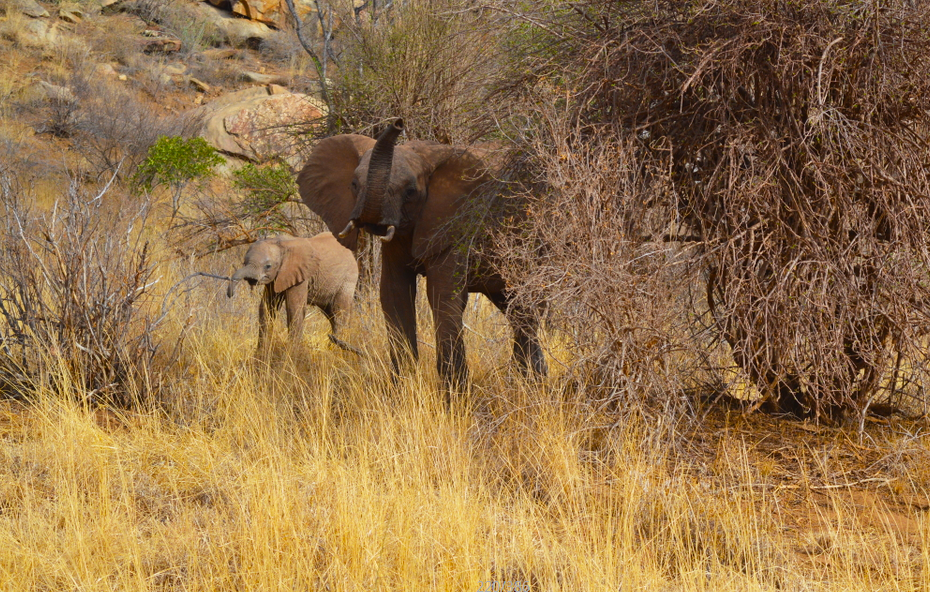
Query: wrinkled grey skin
x=410, y=196
x=297, y=272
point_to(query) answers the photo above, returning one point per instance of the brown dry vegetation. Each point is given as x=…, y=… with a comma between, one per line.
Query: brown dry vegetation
x=787, y=143
x=144, y=447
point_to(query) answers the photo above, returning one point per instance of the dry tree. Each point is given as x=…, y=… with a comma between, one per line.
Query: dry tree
x=77, y=313
x=789, y=139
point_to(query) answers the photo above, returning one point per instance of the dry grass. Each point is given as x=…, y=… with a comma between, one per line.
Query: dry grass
x=317, y=473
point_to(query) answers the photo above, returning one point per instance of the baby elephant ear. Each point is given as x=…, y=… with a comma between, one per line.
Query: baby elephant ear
x=326, y=181
x=296, y=263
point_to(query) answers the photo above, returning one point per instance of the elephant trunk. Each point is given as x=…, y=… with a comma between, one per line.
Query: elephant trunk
x=238, y=276
x=368, y=208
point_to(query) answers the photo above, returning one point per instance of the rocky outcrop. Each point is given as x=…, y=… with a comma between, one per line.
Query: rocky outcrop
x=259, y=78
x=257, y=123
x=272, y=12
x=38, y=33
x=39, y=90
x=70, y=12
x=29, y=8
x=236, y=31
x=266, y=11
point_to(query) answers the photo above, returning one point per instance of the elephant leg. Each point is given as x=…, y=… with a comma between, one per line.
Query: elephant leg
x=526, y=348
x=295, y=302
x=398, y=301
x=267, y=311
x=335, y=312
x=448, y=297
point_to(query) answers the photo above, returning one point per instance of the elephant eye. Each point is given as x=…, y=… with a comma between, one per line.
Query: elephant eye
x=411, y=192
x=268, y=266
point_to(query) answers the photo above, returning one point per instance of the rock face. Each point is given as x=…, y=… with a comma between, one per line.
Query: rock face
x=257, y=123
x=266, y=11
x=70, y=13
x=272, y=12
x=237, y=31
x=38, y=33
x=29, y=8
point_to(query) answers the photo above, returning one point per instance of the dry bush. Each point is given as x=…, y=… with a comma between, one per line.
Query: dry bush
x=214, y=72
x=114, y=129
x=281, y=48
x=618, y=308
x=74, y=283
x=215, y=223
x=179, y=19
x=791, y=140
x=117, y=40
x=428, y=62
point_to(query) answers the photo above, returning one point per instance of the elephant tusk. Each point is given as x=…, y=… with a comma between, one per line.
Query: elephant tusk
x=349, y=228
x=389, y=235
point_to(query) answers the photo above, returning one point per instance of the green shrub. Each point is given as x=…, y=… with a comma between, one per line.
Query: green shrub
x=264, y=187
x=175, y=162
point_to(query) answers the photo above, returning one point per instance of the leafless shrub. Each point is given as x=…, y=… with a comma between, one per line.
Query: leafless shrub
x=117, y=41
x=106, y=123
x=279, y=47
x=217, y=72
x=429, y=62
x=74, y=283
x=791, y=139
x=218, y=222
x=618, y=306
x=113, y=128
x=61, y=116
x=147, y=10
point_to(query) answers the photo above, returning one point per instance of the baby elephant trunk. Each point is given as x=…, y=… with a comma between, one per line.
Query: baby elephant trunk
x=234, y=280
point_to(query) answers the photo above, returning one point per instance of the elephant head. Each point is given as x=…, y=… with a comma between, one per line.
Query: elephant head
x=356, y=183
x=271, y=260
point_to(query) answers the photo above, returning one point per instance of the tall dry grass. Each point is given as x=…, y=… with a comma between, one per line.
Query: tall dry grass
x=318, y=473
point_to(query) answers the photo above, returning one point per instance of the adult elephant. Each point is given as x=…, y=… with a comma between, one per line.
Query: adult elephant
x=410, y=196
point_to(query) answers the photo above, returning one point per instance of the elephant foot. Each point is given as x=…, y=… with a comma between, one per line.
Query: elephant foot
x=344, y=345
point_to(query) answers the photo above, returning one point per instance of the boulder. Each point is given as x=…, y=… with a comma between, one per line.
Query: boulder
x=199, y=85
x=38, y=33
x=70, y=13
x=104, y=72
x=30, y=8
x=165, y=45
x=259, y=78
x=39, y=90
x=272, y=12
x=220, y=53
x=159, y=41
x=235, y=30
x=256, y=10
x=256, y=123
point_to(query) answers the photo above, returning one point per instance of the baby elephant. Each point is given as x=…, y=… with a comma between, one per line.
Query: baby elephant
x=297, y=272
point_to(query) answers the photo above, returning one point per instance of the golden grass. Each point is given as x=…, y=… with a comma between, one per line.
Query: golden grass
x=318, y=473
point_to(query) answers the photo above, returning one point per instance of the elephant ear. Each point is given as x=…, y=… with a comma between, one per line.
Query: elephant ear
x=326, y=181
x=457, y=174
x=297, y=262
